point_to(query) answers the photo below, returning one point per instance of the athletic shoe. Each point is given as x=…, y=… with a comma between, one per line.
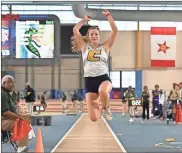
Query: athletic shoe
x=131, y=120
x=123, y=114
x=108, y=113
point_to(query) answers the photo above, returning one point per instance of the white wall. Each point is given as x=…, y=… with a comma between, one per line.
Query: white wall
x=164, y=78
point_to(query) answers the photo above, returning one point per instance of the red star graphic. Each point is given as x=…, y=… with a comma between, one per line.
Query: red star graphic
x=163, y=47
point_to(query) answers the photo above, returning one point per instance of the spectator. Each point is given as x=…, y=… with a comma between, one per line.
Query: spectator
x=145, y=102
x=29, y=97
x=8, y=108
x=180, y=85
x=74, y=99
x=155, y=100
x=64, y=101
x=43, y=100
x=174, y=97
x=161, y=103
x=125, y=104
x=130, y=96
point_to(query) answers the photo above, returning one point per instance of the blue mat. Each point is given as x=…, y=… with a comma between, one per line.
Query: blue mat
x=138, y=137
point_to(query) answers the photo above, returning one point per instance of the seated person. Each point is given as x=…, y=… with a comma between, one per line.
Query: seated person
x=8, y=109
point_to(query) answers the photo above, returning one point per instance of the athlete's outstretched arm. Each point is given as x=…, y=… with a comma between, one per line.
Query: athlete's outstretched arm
x=77, y=34
x=108, y=43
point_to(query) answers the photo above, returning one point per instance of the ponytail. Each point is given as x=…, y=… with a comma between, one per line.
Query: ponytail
x=75, y=48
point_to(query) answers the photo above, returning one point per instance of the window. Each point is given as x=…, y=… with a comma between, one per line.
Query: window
x=67, y=16
x=4, y=12
x=17, y=7
x=40, y=7
x=58, y=14
x=4, y=8
x=43, y=12
x=94, y=23
x=18, y=12
x=28, y=12
x=54, y=7
x=29, y=7
x=67, y=7
x=121, y=25
x=115, y=78
x=128, y=79
x=104, y=26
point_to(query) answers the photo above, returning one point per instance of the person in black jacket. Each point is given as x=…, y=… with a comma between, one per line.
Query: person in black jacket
x=64, y=102
x=145, y=102
x=29, y=97
x=74, y=100
x=43, y=100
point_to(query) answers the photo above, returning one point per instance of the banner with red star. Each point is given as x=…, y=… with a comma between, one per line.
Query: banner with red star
x=163, y=46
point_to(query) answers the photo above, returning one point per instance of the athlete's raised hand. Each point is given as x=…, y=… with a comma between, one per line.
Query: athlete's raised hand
x=105, y=12
x=87, y=18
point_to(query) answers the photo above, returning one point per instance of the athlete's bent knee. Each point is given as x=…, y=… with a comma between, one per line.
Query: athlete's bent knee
x=102, y=92
x=93, y=118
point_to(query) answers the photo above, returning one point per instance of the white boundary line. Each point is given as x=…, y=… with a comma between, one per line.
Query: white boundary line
x=53, y=150
x=89, y=138
x=114, y=135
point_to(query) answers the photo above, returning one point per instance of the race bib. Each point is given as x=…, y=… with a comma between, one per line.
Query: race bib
x=136, y=103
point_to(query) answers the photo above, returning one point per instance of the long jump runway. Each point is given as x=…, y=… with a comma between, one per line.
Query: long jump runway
x=88, y=136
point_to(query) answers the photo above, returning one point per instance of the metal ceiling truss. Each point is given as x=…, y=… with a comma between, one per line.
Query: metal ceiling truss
x=174, y=3
x=129, y=15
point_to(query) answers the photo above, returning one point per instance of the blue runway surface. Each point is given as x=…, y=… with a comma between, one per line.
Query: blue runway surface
x=138, y=137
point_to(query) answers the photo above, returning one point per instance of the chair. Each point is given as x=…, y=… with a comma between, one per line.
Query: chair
x=6, y=138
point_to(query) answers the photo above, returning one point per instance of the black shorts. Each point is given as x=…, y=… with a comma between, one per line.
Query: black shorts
x=130, y=103
x=73, y=99
x=174, y=104
x=92, y=83
x=123, y=100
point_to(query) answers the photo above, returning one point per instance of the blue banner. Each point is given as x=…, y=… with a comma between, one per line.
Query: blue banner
x=138, y=83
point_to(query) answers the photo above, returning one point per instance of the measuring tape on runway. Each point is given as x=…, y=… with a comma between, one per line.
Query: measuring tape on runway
x=162, y=145
x=171, y=141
